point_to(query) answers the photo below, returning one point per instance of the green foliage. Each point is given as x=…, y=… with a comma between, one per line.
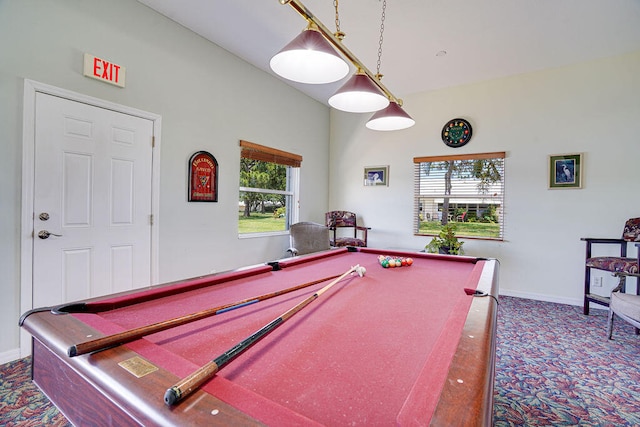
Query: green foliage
x=491, y=214
x=446, y=241
x=264, y=175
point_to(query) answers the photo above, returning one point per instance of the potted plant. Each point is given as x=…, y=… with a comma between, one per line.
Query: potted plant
x=446, y=242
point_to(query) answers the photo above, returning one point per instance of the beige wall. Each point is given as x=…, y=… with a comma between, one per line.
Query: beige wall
x=592, y=108
x=208, y=100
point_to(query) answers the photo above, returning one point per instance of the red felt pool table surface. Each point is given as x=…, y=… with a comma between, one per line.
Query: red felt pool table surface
x=399, y=346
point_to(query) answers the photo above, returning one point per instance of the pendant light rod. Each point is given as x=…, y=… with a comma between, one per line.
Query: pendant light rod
x=299, y=7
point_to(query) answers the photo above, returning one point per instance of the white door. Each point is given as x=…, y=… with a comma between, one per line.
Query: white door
x=92, y=201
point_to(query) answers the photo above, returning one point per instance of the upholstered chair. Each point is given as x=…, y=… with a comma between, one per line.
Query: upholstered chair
x=622, y=266
x=308, y=237
x=338, y=222
x=625, y=306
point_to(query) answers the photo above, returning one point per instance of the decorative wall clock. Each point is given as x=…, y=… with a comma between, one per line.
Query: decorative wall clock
x=456, y=133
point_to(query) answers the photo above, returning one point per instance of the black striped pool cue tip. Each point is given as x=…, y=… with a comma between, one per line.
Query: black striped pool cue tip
x=72, y=351
x=172, y=396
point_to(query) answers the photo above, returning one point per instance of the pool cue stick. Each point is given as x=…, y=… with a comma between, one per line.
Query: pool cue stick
x=136, y=333
x=189, y=384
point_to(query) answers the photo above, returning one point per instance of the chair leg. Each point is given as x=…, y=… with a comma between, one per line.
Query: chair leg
x=587, y=290
x=610, y=324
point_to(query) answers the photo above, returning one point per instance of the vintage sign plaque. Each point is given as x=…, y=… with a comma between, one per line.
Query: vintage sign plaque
x=203, y=178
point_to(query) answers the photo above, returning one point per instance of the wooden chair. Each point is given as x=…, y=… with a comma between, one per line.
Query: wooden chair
x=621, y=266
x=308, y=237
x=625, y=306
x=336, y=220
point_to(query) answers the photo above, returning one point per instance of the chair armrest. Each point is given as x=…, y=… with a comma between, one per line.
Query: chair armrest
x=620, y=274
x=364, y=232
x=598, y=240
x=601, y=240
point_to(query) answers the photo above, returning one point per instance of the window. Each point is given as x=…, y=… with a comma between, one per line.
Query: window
x=465, y=189
x=268, y=190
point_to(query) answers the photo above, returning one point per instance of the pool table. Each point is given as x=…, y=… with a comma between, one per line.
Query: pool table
x=410, y=345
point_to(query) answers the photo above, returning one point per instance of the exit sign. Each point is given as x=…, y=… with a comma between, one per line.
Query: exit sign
x=104, y=70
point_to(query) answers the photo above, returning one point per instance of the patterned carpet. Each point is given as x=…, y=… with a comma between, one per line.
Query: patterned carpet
x=554, y=367
x=21, y=402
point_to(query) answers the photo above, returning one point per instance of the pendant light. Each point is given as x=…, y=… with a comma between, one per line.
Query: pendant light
x=309, y=58
x=391, y=118
x=363, y=92
x=359, y=95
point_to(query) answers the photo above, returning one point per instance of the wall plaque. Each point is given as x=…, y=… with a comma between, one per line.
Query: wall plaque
x=203, y=178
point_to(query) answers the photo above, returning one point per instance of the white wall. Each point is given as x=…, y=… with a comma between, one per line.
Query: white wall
x=593, y=108
x=208, y=100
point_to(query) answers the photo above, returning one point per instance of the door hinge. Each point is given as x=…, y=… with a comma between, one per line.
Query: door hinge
x=153, y=142
x=151, y=219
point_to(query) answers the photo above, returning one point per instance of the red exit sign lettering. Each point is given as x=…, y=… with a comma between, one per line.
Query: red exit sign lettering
x=104, y=70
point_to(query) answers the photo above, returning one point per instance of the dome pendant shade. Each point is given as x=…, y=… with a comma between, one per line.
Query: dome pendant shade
x=359, y=95
x=309, y=58
x=391, y=118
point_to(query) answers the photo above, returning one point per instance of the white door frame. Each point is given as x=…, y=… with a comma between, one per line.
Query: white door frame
x=28, y=154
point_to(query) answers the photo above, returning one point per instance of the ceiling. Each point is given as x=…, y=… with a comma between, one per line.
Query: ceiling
x=482, y=39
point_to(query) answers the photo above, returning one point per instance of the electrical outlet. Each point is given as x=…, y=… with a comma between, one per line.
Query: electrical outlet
x=597, y=281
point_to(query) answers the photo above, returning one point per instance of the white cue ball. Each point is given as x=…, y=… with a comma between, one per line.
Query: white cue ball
x=361, y=271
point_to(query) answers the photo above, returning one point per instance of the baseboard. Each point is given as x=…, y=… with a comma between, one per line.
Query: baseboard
x=541, y=297
x=10, y=356
x=548, y=298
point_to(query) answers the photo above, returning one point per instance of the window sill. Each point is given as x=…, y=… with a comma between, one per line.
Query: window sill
x=266, y=234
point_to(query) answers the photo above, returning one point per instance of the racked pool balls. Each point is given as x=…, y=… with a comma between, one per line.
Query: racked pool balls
x=393, y=261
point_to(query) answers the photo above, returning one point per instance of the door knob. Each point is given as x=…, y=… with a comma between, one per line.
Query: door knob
x=43, y=216
x=44, y=234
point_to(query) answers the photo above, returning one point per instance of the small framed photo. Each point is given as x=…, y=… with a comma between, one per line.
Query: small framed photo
x=376, y=175
x=565, y=171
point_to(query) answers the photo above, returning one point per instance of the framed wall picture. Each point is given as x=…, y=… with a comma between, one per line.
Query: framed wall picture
x=376, y=175
x=565, y=171
x=203, y=177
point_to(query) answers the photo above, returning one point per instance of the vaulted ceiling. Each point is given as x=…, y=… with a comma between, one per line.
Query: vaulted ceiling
x=427, y=44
